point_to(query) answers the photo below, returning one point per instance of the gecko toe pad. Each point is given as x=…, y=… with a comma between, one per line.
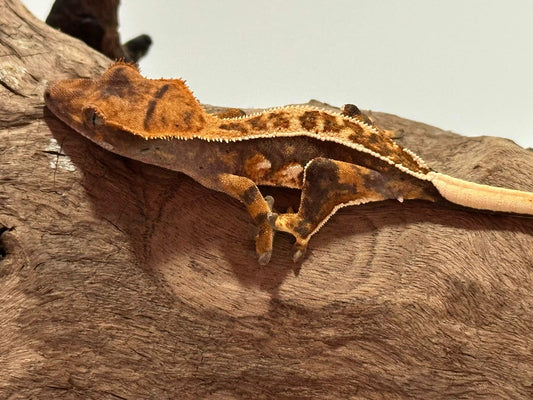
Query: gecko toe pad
x=270, y=202
x=299, y=254
x=264, y=258
x=271, y=218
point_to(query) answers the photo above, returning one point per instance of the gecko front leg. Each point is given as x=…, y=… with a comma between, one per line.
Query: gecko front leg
x=329, y=185
x=259, y=208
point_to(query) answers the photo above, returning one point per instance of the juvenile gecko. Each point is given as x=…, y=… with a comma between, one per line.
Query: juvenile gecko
x=336, y=160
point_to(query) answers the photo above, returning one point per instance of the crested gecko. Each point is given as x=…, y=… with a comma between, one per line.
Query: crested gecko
x=335, y=159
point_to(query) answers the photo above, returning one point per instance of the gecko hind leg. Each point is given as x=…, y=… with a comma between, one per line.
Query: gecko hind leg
x=329, y=185
x=259, y=208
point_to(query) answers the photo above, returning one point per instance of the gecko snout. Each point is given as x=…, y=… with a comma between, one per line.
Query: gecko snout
x=47, y=94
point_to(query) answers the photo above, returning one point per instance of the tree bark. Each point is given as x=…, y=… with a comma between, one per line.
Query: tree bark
x=124, y=280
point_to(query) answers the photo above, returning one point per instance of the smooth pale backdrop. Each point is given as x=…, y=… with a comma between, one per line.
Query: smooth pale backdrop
x=466, y=66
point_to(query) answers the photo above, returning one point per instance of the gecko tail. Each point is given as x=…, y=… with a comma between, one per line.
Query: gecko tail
x=482, y=197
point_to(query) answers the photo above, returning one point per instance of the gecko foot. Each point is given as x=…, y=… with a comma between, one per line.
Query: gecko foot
x=296, y=226
x=300, y=248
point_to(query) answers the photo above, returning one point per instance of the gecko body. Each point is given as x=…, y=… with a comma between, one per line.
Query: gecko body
x=335, y=159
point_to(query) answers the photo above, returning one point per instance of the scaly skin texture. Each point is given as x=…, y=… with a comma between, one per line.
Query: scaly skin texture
x=334, y=159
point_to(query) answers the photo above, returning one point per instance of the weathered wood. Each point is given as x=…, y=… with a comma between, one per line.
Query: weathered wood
x=122, y=280
x=95, y=22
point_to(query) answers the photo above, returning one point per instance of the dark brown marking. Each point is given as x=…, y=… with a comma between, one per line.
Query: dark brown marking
x=187, y=117
x=303, y=229
x=356, y=128
x=152, y=103
x=330, y=123
x=308, y=120
x=120, y=75
x=161, y=91
x=282, y=174
x=200, y=120
x=149, y=113
x=370, y=142
x=321, y=176
x=373, y=181
x=354, y=138
x=388, y=152
x=260, y=218
x=279, y=120
x=250, y=194
x=119, y=84
x=234, y=126
x=258, y=123
x=373, y=138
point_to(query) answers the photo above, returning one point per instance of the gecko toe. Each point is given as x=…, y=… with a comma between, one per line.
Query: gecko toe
x=270, y=202
x=264, y=258
x=299, y=254
x=272, y=217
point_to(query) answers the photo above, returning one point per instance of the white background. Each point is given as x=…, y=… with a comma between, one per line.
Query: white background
x=465, y=66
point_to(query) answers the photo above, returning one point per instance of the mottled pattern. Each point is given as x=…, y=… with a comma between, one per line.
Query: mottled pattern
x=334, y=159
x=330, y=184
x=155, y=108
x=247, y=192
x=320, y=123
x=309, y=120
x=289, y=175
x=279, y=120
x=331, y=123
x=258, y=123
x=257, y=166
x=234, y=126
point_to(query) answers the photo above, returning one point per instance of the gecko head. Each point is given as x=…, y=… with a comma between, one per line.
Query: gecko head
x=82, y=104
x=122, y=99
x=72, y=100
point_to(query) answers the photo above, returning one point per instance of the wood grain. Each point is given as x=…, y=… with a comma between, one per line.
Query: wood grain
x=123, y=280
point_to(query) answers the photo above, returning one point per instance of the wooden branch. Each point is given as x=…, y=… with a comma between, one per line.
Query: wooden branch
x=123, y=280
x=96, y=23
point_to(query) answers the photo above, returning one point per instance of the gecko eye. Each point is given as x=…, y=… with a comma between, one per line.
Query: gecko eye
x=97, y=120
x=92, y=117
